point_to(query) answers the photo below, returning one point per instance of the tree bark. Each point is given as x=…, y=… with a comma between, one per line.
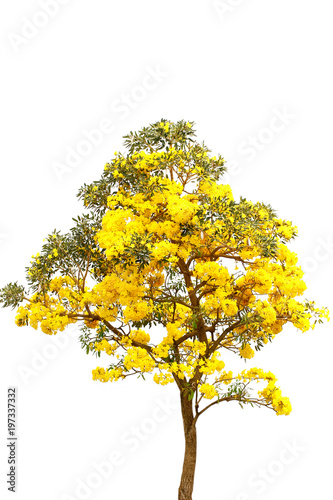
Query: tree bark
x=190, y=457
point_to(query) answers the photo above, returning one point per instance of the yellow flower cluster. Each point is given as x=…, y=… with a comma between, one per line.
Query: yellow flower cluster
x=214, y=190
x=256, y=374
x=175, y=331
x=212, y=270
x=229, y=307
x=138, y=358
x=272, y=394
x=209, y=366
x=225, y=377
x=163, y=378
x=51, y=317
x=260, y=279
x=181, y=369
x=136, y=311
x=285, y=228
x=246, y=352
x=163, y=249
x=285, y=255
x=181, y=210
x=266, y=311
x=59, y=281
x=194, y=347
x=104, y=345
x=208, y=391
x=140, y=336
x=107, y=313
x=107, y=375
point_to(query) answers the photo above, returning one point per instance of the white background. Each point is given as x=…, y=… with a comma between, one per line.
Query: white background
x=231, y=68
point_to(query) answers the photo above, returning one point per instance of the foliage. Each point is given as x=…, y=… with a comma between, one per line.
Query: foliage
x=163, y=242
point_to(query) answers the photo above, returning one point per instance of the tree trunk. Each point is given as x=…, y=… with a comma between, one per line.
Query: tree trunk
x=187, y=479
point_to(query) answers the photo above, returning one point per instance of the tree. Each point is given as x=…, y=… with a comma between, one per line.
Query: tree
x=162, y=242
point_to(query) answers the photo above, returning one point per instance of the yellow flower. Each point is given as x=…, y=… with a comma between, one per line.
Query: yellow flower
x=246, y=352
x=208, y=391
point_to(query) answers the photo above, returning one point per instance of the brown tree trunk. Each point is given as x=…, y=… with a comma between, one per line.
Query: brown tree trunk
x=187, y=479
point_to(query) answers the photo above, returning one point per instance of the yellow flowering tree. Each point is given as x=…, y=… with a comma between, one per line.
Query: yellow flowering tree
x=163, y=242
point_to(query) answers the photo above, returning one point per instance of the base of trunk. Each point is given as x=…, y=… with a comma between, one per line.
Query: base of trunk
x=187, y=480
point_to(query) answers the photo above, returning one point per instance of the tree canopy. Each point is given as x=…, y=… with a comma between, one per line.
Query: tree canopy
x=162, y=242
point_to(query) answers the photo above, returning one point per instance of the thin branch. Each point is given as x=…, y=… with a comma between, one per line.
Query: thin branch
x=257, y=402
